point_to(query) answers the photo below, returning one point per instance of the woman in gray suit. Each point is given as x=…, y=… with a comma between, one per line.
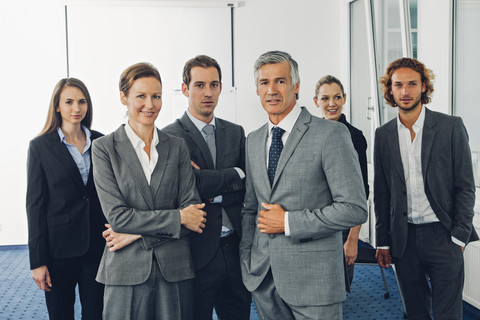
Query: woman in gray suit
x=147, y=190
x=330, y=98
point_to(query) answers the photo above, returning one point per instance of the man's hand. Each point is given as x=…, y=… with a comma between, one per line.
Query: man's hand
x=272, y=219
x=116, y=241
x=193, y=218
x=383, y=258
x=351, y=251
x=41, y=276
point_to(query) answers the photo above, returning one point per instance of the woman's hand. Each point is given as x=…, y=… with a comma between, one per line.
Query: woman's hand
x=116, y=241
x=351, y=252
x=41, y=276
x=193, y=218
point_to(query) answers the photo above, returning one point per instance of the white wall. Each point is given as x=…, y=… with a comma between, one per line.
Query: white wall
x=32, y=60
x=312, y=31
x=434, y=48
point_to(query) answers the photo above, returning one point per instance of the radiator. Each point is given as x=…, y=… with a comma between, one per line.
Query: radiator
x=471, y=289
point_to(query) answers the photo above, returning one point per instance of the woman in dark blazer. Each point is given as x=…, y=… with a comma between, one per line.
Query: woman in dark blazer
x=147, y=189
x=330, y=98
x=65, y=220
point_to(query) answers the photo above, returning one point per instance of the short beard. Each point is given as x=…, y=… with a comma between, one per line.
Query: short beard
x=415, y=105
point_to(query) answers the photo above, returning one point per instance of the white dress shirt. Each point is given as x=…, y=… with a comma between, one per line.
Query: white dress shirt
x=419, y=209
x=286, y=124
x=148, y=165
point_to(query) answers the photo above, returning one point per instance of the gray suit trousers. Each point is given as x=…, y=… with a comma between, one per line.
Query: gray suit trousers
x=271, y=306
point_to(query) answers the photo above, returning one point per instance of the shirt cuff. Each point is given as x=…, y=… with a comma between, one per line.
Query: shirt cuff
x=287, y=227
x=384, y=247
x=217, y=199
x=240, y=172
x=458, y=242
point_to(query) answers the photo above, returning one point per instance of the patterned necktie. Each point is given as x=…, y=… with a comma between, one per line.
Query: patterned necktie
x=210, y=140
x=274, y=153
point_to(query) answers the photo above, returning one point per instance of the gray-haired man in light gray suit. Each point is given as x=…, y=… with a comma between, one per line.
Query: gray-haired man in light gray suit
x=303, y=187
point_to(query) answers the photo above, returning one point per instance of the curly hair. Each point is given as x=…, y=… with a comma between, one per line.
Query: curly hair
x=427, y=77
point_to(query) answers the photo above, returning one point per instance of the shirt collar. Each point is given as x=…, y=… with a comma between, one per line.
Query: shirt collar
x=135, y=140
x=288, y=122
x=199, y=123
x=417, y=125
x=88, y=135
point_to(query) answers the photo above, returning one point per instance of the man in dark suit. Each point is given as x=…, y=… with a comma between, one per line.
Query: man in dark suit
x=218, y=161
x=303, y=188
x=424, y=194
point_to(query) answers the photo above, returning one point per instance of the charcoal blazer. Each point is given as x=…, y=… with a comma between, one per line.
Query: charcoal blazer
x=213, y=181
x=65, y=219
x=447, y=175
x=133, y=206
x=318, y=181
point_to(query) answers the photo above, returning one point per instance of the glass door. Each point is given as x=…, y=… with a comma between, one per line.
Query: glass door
x=380, y=32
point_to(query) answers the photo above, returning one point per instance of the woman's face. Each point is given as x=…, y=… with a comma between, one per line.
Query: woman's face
x=330, y=100
x=144, y=101
x=72, y=106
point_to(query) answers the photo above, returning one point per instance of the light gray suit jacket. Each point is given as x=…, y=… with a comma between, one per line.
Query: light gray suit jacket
x=319, y=182
x=132, y=206
x=447, y=175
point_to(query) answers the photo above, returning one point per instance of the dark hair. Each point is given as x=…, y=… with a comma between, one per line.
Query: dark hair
x=328, y=79
x=54, y=118
x=272, y=57
x=134, y=72
x=427, y=77
x=199, y=61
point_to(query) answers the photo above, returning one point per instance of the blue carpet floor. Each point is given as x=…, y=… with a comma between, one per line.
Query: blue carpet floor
x=21, y=299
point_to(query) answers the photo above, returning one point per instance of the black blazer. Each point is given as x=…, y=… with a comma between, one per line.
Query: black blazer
x=65, y=219
x=360, y=145
x=447, y=175
x=211, y=182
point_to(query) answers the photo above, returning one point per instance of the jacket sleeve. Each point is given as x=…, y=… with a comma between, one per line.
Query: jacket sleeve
x=464, y=184
x=163, y=223
x=381, y=196
x=37, y=201
x=342, y=173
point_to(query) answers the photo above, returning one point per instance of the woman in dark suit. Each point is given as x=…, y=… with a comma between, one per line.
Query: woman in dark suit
x=65, y=220
x=330, y=98
x=147, y=189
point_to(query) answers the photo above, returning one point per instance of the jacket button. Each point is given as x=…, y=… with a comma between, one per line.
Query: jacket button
x=272, y=236
x=85, y=198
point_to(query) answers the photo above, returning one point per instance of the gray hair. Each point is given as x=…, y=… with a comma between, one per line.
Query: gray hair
x=272, y=57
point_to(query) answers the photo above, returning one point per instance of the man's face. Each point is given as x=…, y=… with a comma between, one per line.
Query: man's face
x=407, y=88
x=277, y=94
x=203, y=92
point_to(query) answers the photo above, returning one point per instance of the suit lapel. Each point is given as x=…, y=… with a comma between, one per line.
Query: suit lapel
x=298, y=130
x=258, y=154
x=163, y=150
x=59, y=149
x=125, y=149
x=394, y=146
x=198, y=139
x=429, y=131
